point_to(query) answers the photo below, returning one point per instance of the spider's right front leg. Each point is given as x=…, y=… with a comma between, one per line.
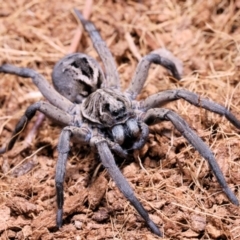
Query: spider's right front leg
x=84, y=136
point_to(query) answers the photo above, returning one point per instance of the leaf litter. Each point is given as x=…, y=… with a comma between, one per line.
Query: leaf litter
x=172, y=181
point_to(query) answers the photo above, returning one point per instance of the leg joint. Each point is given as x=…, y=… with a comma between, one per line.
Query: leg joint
x=31, y=110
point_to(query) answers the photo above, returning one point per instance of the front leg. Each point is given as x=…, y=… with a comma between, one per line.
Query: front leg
x=44, y=107
x=83, y=135
x=156, y=115
x=109, y=163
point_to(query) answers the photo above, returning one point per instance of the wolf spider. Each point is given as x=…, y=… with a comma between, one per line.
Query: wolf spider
x=94, y=111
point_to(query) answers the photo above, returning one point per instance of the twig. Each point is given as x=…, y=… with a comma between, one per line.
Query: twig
x=78, y=33
x=132, y=46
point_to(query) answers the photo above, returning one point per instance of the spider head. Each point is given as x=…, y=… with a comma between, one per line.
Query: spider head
x=107, y=107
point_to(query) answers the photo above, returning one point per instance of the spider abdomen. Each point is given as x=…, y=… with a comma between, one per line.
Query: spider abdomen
x=76, y=76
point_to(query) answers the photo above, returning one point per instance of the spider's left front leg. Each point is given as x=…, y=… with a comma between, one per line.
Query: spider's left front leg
x=108, y=162
x=84, y=136
x=156, y=115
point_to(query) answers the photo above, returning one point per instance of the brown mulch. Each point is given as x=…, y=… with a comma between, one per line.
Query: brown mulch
x=170, y=178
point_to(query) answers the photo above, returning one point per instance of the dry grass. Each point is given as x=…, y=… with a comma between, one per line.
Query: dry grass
x=172, y=180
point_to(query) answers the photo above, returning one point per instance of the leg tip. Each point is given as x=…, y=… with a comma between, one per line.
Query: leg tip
x=59, y=218
x=154, y=228
x=231, y=196
x=3, y=150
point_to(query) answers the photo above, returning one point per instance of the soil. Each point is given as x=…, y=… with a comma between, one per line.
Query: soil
x=170, y=178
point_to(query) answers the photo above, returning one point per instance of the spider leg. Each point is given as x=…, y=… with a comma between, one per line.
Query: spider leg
x=43, y=85
x=142, y=140
x=44, y=107
x=83, y=135
x=103, y=51
x=159, y=114
x=141, y=72
x=164, y=97
x=109, y=163
x=117, y=149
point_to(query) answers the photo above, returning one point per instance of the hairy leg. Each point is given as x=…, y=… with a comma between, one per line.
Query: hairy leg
x=44, y=107
x=143, y=138
x=159, y=99
x=83, y=135
x=141, y=72
x=103, y=51
x=109, y=163
x=156, y=115
x=43, y=85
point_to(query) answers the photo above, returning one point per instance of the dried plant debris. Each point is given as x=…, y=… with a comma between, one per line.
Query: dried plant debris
x=172, y=181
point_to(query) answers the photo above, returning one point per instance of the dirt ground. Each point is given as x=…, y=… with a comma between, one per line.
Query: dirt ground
x=170, y=178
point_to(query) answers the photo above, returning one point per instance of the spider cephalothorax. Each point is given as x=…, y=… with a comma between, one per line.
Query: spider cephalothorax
x=93, y=110
x=113, y=112
x=107, y=107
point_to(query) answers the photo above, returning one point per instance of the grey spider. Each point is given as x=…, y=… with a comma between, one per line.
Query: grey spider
x=93, y=111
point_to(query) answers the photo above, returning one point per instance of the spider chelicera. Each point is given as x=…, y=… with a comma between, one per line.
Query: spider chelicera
x=90, y=105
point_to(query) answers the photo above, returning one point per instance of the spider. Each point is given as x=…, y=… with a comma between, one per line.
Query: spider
x=90, y=105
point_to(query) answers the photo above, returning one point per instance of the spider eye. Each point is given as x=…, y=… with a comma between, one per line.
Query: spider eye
x=118, y=112
x=114, y=109
x=115, y=113
x=107, y=107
